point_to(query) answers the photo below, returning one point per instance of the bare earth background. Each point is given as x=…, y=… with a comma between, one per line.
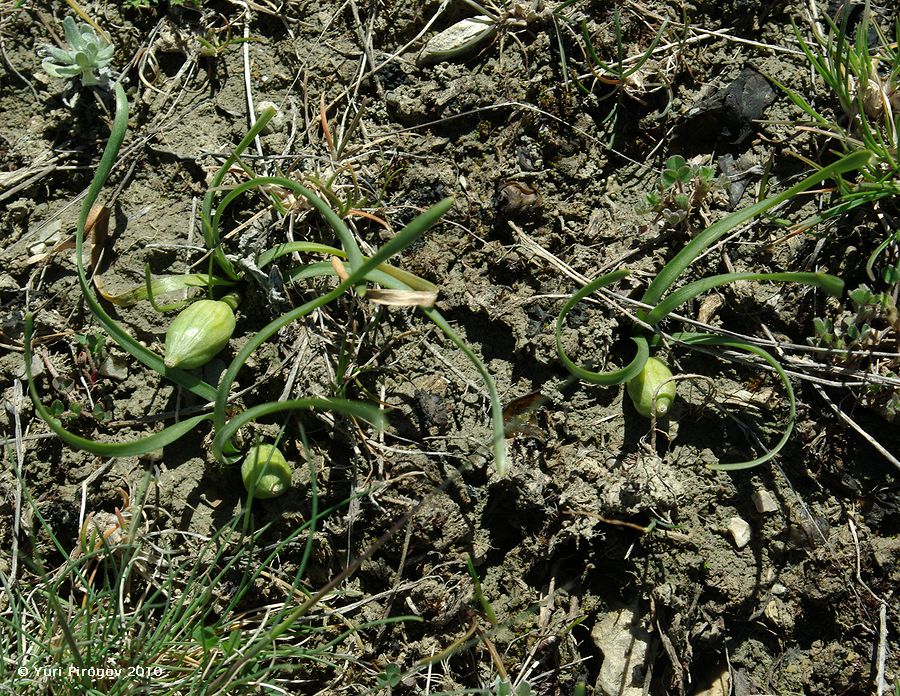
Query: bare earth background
x=544, y=180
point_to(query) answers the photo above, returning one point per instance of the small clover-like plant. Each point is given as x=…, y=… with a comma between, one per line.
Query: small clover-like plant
x=684, y=188
x=88, y=56
x=857, y=338
x=873, y=318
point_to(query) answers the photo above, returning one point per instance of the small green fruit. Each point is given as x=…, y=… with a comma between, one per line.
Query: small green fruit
x=199, y=332
x=642, y=388
x=266, y=472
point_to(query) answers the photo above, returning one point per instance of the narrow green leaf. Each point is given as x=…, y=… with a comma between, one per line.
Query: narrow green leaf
x=606, y=378
x=211, y=233
x=133, y=448
x=831, y=284
x=352, y=409
x=118, y=334
x=672, y=270
x=161, y=285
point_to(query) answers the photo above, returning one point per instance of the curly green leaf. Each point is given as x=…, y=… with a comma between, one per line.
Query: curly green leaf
x=692, y=339
x=612, y=377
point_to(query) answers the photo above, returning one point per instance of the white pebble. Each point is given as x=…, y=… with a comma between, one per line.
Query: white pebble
x=740, y=531
x=764, y=502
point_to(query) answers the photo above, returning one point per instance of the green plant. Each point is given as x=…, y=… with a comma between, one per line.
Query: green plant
x=859, y=67
x=87, y=57
x=625, y=72
x=94, y=347
x=660, y=300
x=73, y=409
x=503, y=687
x=223, y=273
x=79, y=388
x=390, y=677
x=853, y=338
x=483, y=601
x=683, y=189
x=860, y=328
x=625, y=75
x=864, y=80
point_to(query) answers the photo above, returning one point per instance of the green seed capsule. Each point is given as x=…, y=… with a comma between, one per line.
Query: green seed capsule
x=199, y=332
x=266, y=472
x=642, y=388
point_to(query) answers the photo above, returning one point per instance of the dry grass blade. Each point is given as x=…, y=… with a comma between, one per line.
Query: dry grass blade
x=18, y=180
x=402, y=298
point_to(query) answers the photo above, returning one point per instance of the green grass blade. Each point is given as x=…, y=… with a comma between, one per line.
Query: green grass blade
x=222, y=449
x=346, y=407
x=801, y=103
x=116, y=332
x=498, y=427
x=649, y=52
x=605, y=378
x=354, y=255
x=211, y=233
x=133, y=448
x=870, y=262
x=592, y=54
x=833, y=285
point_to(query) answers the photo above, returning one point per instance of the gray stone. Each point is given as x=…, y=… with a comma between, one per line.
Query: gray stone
x=623, y=642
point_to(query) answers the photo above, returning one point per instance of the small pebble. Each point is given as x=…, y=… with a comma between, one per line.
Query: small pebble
x=740, y=531
x=764, y=502
x=113, y=367
x=278, y=120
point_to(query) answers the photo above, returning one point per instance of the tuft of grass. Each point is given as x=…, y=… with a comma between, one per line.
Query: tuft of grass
x=137, y=607
x=859, y=68
x=624, y=76
x=863, y=82
x=683, y=191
